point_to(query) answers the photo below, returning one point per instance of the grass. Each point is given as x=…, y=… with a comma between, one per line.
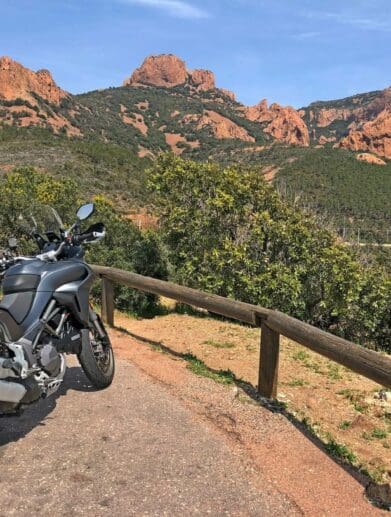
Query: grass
x=296, y=382
x=304, y=357
x=339, y=450
x=334, y=372
x=360, y=408
x=379, y=433
x=377, y=474
x=198, y=367
x=344, y=453
x=375, y=434
x=356, y=398
x=217, y=344
x=366, y=436
x=301, y=355
x=345, y=424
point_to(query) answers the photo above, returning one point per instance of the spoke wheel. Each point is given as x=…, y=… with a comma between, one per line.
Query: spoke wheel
x=102, y=350
x=97, y=358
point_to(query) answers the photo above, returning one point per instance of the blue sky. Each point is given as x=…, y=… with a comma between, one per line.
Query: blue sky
x=289, y=51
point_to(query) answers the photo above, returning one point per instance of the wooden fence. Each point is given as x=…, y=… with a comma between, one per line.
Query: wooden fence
x=368, y=363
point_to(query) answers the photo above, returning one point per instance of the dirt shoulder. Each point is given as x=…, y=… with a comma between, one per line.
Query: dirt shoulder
x=284, y=453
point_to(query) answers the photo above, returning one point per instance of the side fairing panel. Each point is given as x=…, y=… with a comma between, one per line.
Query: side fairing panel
x=51, y=277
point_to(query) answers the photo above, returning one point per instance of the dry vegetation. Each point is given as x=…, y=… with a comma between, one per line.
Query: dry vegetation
x=339, y=406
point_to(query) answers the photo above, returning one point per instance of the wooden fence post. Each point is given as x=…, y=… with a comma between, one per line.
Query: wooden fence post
x=268, y=362
x=107, y=301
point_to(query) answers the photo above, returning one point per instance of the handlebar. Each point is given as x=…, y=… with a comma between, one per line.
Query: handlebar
x=52, y=254
x=91, y=236
x=96, y=233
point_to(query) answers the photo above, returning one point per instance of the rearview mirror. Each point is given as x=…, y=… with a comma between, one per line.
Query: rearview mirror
x=85, y=211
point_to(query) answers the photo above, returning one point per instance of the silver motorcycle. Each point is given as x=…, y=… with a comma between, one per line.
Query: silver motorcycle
x=45, y=314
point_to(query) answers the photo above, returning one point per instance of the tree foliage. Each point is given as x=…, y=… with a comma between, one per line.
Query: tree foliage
x=25, y=192
x=228, y=232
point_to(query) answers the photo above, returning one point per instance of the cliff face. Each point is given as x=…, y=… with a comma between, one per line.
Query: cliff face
x=203, y=80
x=326, y=116
x=283, y=123
x=168, y=71
x=371, y=129
x=28, y=97
x=373, y=136
x=165, y=70
x=16, y=81
x=359, y=123
x=220, y=126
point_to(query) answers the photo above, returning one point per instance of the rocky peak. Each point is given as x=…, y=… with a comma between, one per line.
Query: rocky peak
x=284, y=123
x=168, y=70
x=16, y=81
x=203, y=80
x=165, y=70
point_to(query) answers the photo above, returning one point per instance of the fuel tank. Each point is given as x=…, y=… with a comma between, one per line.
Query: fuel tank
x=36, y=275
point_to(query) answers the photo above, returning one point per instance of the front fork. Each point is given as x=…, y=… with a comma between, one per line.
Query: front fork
x=97, y=324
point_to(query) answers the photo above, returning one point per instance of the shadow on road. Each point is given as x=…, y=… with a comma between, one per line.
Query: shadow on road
x=14, y=428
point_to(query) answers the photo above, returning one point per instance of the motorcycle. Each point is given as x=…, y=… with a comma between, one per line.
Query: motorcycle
x=45, y=314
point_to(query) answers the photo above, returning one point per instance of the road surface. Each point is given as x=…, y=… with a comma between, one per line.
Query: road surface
x=129, y=450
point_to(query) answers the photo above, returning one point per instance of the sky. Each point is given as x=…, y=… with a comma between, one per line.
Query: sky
x=289, y=51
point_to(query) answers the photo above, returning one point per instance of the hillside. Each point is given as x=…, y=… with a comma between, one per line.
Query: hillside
x=106, y=138
x=360, y=123
x=349, y=195
x=97, y=168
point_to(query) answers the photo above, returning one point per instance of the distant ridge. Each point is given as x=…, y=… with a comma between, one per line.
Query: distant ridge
x=359, y=123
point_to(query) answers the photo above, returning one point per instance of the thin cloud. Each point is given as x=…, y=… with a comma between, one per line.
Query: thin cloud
x=176, y=8
x=346, y=19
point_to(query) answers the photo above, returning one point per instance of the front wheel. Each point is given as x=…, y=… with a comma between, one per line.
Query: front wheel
x=97, y=357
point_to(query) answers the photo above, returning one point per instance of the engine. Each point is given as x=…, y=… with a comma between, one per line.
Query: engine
x=50, y=360
x=18, y=390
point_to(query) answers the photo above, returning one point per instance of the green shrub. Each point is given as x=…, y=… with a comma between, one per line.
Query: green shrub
x=228, y=232
x=24, y=191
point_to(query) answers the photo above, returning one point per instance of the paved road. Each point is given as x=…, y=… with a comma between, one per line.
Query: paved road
x=129, y=450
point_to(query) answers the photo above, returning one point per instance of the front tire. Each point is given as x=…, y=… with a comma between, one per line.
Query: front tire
x=97, y=357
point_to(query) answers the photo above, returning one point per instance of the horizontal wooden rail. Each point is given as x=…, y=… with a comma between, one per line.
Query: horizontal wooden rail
x=368, y=363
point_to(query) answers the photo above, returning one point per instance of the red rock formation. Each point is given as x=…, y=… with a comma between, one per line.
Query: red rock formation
x=370, y=125
x=228, y=94
x=380, y=103
x=16, y=81
x=370, y=158
x=165, y=70
x=326, y=116
x=223, y=127
x=137, y=121
x=324, y=140
x=285, y=123
x=203, y=80
x=259, y=113
x=373, y=136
